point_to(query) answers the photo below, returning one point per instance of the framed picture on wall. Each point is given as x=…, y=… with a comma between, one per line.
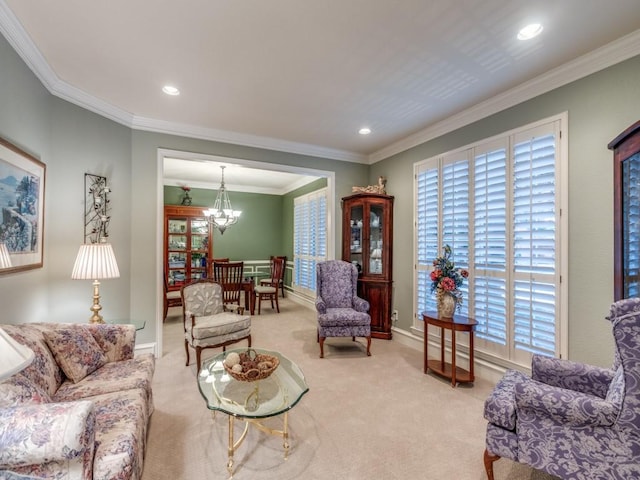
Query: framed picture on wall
x=22, y=179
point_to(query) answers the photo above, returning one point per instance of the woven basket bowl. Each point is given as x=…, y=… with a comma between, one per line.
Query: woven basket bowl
x=254, y=374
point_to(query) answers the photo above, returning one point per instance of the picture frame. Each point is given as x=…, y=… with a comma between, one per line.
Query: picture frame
x=22, y=189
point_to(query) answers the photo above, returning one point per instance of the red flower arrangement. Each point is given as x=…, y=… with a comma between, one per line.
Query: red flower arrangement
x=446, y=277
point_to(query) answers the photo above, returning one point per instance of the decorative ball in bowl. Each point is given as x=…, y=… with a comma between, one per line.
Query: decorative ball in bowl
x=250, y=366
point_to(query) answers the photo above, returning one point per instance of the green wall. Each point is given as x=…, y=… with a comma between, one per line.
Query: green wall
x=259, y=231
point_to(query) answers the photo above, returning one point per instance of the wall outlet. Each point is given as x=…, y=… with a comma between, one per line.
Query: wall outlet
x=394, y=316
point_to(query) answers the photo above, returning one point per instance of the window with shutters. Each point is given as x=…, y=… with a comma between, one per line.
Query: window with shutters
x=309, y=239
x=497, y=204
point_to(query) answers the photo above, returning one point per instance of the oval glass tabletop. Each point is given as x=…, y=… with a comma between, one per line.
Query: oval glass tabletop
x=271, y=396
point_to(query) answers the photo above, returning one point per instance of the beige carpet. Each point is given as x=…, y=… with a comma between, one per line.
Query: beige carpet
x=375, y=417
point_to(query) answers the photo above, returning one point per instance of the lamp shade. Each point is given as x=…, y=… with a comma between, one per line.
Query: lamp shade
x=5, y=259
x=13, y=356
x=95, y=261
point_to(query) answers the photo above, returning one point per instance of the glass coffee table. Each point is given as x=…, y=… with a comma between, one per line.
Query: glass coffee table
x=252, y=401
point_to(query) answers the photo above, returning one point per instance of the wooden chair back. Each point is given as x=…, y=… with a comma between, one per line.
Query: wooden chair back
x=229, y=275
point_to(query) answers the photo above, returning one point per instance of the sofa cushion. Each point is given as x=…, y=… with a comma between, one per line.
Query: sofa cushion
x=44, y=370
x=75, y=350
x=121, y=434
x=40, y=439
x=113, y=377
x=117, y=341
x=18, y=390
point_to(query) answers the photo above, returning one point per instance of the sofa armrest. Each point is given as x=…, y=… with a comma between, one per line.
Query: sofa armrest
x=576, y=376
x=321, y=307
x=562, y=406
x=117, y=341
x=37, y=434
x=360, y=304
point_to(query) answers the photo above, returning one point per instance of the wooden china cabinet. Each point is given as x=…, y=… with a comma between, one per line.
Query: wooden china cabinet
x=367, y=242
x=626, y=213
x=188, y=245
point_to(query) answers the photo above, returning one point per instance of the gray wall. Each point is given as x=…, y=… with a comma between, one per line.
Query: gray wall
x=599, y=106
x=72, y=141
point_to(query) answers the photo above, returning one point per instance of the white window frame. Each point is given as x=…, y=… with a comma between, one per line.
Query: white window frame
x=506, y=356
x=304, y=284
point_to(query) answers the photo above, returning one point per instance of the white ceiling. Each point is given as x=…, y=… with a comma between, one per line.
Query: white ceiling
x=302, y=76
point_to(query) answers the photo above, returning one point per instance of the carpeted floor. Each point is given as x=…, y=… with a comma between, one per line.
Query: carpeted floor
x=375, y=417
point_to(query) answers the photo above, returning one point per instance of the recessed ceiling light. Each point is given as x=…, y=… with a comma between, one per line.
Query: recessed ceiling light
x=169, y=90
x=530, y=31
x=364, y=131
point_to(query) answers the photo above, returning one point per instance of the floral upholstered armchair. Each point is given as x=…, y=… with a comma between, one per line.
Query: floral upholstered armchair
x=573, y=420
x=341, y=313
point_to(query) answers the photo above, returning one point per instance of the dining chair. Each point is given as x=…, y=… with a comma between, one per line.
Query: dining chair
x=207, y=322
x=172, y=298
x=230, y=276
x=270, y=290
x=268, y=281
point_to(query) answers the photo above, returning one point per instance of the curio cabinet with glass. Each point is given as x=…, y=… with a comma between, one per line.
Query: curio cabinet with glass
x=626, y=212
x=187, y=245
x=367, y=236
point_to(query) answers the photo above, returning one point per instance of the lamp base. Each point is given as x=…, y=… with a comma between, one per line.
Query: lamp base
x=96, y=307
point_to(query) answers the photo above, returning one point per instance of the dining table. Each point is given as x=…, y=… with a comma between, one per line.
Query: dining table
x=249, y=281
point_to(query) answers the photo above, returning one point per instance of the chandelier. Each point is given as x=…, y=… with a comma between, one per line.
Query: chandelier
x=222, y=215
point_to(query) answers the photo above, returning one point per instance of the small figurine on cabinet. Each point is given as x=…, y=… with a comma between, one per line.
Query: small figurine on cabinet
x=186, y=200
x=379, y=188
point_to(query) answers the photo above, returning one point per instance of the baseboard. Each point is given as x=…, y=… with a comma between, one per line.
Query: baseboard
x=145, y=348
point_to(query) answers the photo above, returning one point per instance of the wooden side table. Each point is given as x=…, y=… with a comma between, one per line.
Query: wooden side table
x=459, y=323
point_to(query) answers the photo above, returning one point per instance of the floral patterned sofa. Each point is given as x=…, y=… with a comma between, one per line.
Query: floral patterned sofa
x=81, y=409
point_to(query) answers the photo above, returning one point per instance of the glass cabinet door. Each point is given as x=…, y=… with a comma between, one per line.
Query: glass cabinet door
x=631, y=226
x=356, y=225
x=376, y=221
x=626, y=213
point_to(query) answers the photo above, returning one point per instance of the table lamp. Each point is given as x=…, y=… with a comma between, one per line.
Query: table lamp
x=14, y=356
x=95, y=261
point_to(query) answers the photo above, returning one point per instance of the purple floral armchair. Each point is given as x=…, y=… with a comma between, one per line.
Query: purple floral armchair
x=341, y=313
x=573, y=420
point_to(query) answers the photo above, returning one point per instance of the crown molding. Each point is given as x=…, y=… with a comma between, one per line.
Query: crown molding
x=247, y=140
x=604, y=57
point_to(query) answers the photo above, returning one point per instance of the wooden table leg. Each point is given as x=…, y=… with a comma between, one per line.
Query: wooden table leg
x=471, y=356
x=426, y=345
x=453, y=357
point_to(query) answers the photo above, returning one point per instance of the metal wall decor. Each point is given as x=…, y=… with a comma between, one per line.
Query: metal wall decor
x=96, y=209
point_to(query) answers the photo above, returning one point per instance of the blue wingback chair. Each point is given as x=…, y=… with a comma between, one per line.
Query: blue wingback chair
x=573, y=420
x=341, y=313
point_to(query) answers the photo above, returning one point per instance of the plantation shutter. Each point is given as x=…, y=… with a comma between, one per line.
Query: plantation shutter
x=534, y=242
x=497, y=205
x=490, y=244
x=310, y=239
x=455, y=213
x=427, y=206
